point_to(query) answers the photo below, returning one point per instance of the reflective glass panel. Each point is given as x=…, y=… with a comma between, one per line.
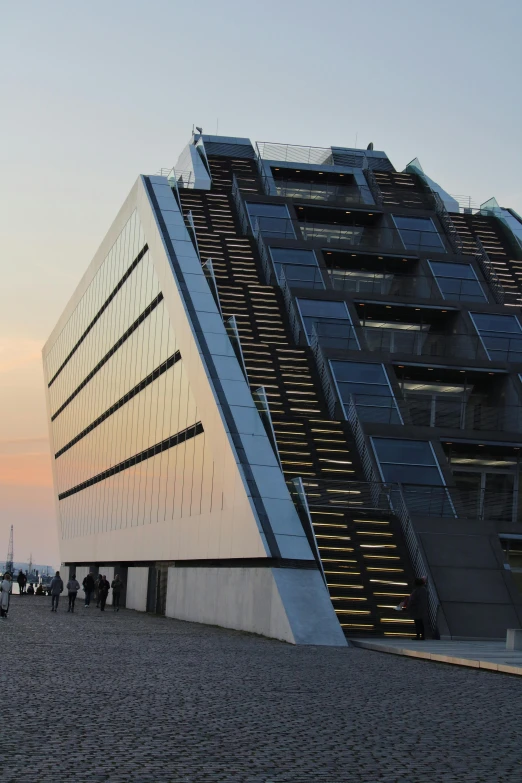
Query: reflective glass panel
x=501, y=336
x=366, y=386
x=458, y=281
x=418, y=233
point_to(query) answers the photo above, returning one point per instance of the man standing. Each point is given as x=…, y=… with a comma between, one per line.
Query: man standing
x=56, y=590
x=418, y=608
x=117, y=587
x=97, y=590
x=22, y=581
x=103, y=591
x=88, y=587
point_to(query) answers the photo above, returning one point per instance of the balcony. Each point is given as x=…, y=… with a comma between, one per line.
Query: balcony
x=327, y=193
x=362, y=237
x=422, y=500
x=433, y=411
x=402, y=341
x=388, y=284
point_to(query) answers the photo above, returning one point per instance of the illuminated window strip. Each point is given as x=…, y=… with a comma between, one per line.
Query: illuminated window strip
x=125, y=336
x=123, y=400
x=168, y=443
x=102, y=309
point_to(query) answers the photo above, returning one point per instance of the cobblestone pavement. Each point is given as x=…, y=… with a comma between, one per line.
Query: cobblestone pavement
x=136, y=698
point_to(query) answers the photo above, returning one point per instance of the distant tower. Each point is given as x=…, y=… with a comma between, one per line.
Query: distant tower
x=10, y=556
x=30, y=569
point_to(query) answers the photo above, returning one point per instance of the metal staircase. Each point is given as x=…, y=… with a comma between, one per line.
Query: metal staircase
x=362, y=552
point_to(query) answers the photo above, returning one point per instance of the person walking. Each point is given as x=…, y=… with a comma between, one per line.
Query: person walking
x=97, y=590
x=418, y=608
x=88, y=587
x=22, y=581
x=5, y=591
x=103, y=591
x=72, y=591
x=117, y=587
x=56, y=590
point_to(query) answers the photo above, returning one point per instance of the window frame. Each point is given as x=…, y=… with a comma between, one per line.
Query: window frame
x=449, y=263
x=373, y=438
x=375, y=364
x=419, y=249
x=326, y=317
x=501, y=334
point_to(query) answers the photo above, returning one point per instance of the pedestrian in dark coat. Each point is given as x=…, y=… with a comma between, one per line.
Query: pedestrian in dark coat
x=88, y=587
x=56, y=590
x=103, y=591
x=97, y=590
x=72, y=588
x=117, y=587
x=418, y=607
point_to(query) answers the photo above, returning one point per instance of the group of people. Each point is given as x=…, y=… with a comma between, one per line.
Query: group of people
x=93, y=585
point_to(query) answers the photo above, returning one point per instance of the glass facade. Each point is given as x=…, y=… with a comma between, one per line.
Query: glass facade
x=457, y=281
x=129, y=446
x=272, y=220
x=366, y=385
x=407, y=461
x=501, y=336
x=419, y=234
x=331, y=321
x=300, y=266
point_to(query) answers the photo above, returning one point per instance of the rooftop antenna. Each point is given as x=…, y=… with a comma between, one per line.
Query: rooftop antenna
x=217, y=126
x=9, y=560
x=356, y=139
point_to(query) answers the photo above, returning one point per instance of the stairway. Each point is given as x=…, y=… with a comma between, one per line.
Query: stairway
x=310, y=444
x=365, y=565
x=403, y=190
x=485, y=228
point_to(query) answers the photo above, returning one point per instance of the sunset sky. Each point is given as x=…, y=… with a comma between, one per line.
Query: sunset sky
x=95, y=93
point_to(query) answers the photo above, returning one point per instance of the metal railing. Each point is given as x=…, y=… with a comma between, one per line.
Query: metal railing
x=374, y=186
x=391, y=284
x=241, y=209
x=338, y=234
x=294, y=153
x=488, y=270
x=433, y=411
x=405, y=341
x=296, y=325
x=396, y=501
x=324, y=374
x=451, y=232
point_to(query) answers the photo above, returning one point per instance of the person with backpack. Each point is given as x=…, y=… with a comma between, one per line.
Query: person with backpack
x=56, y=590
x=117, y=587
x=88, y=587
x=72, y=590
x=103, y=591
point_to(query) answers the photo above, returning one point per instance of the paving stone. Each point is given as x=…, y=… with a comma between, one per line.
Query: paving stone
x=135, y=698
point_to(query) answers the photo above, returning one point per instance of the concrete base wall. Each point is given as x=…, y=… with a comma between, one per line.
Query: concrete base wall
x=137, y=583
x=288, y=604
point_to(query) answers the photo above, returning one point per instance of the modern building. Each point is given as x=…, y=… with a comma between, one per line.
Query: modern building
x=289, y=382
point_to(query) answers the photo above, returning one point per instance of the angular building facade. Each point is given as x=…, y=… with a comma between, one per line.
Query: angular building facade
x=287, y=384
